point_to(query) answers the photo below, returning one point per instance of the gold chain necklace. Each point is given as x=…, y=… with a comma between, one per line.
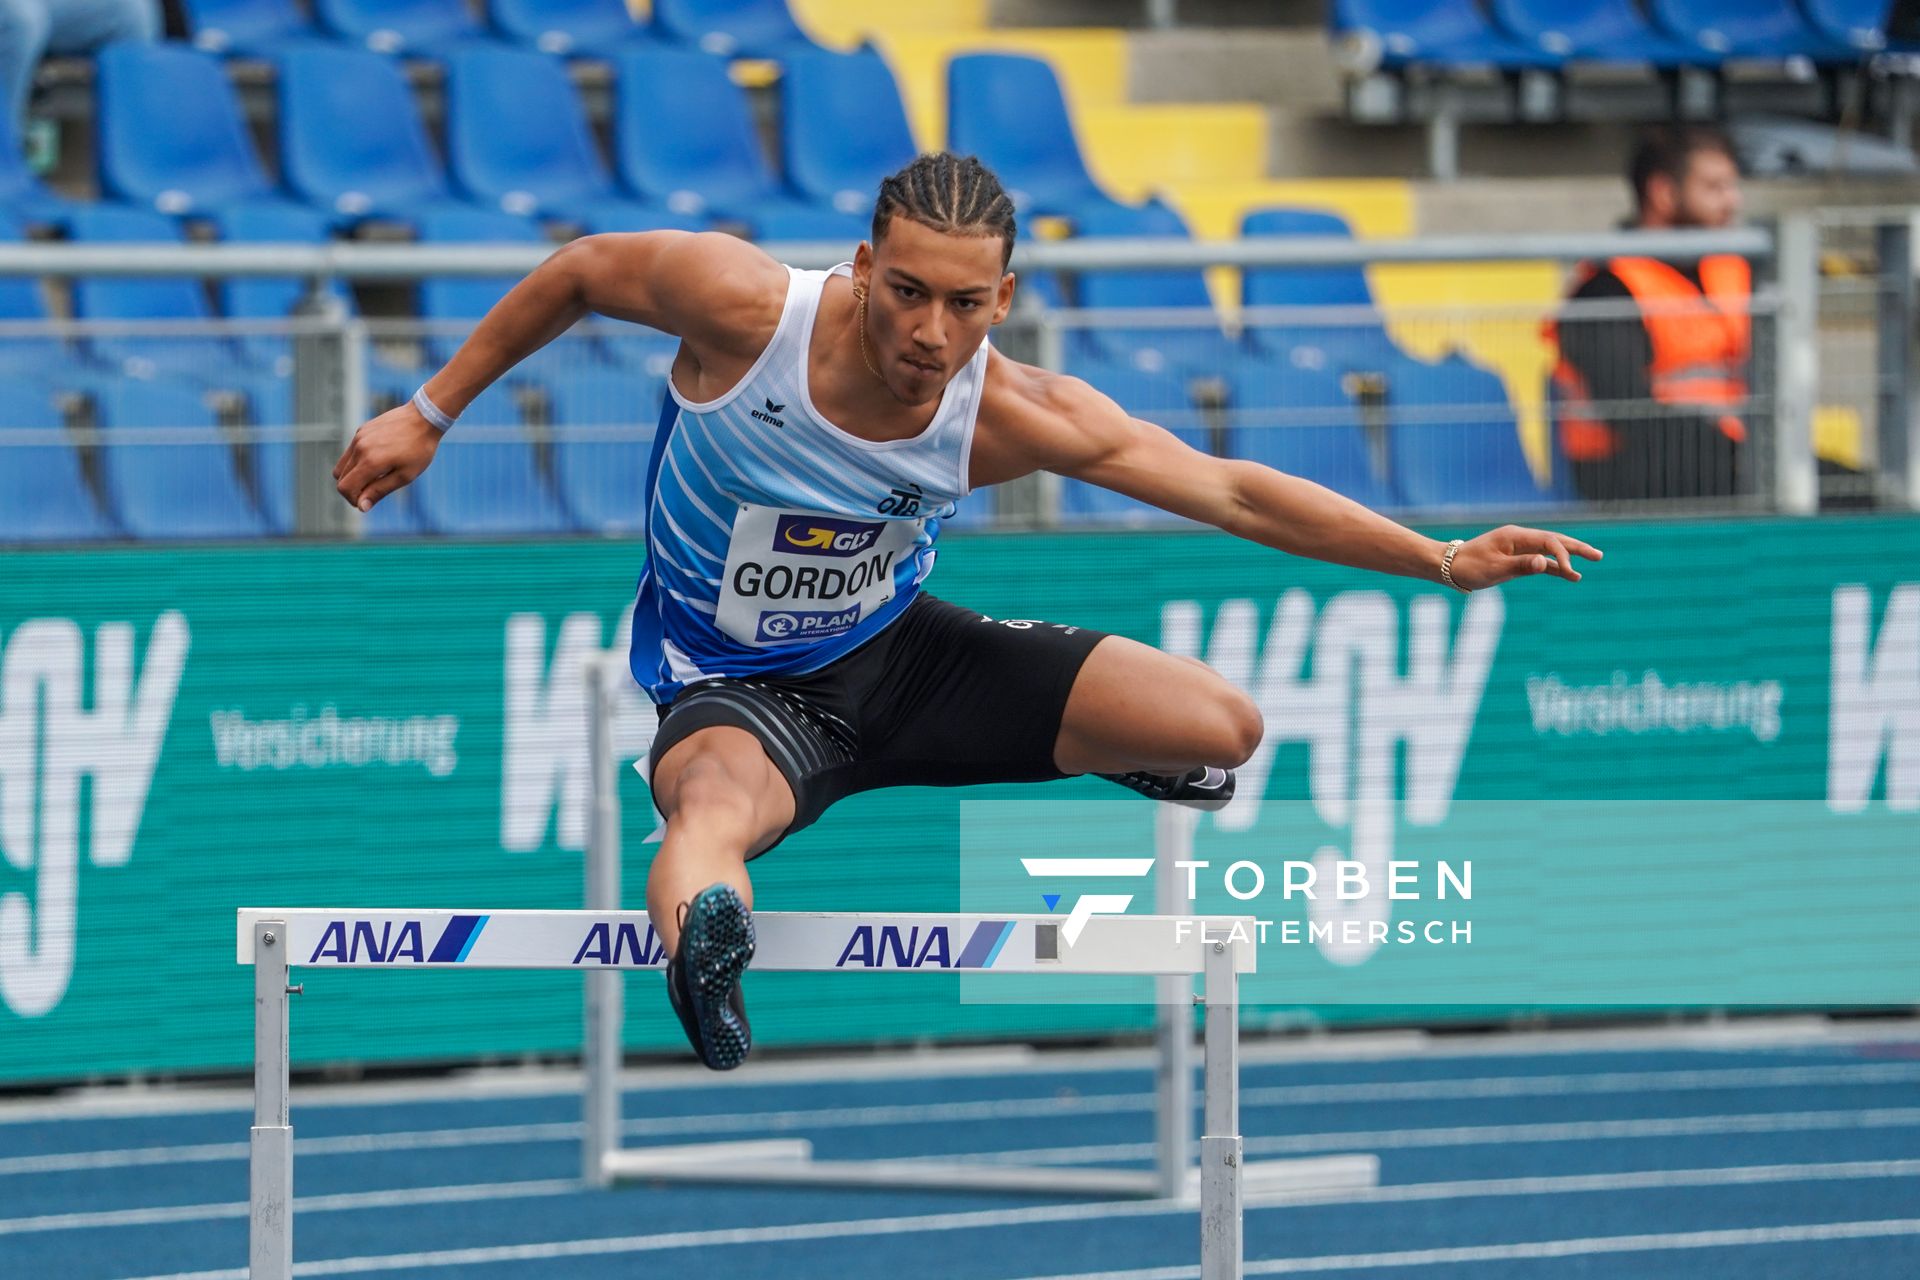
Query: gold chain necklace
x=860, y=296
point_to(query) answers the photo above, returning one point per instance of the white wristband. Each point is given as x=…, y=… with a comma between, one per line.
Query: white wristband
x=431, y=411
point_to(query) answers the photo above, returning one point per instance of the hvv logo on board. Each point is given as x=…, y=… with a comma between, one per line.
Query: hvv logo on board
x=55, y=729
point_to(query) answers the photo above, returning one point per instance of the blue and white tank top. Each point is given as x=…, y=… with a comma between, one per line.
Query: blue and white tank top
x=777, y=542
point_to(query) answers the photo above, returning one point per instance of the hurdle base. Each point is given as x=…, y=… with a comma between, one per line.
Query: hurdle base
x=790, y=1162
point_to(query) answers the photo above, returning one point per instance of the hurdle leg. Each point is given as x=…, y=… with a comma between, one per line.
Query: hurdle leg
x=606, y=989
x=1220, y=1156
x=270, y=1191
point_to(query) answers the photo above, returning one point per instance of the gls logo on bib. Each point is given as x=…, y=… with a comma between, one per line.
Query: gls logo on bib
x=796, y=577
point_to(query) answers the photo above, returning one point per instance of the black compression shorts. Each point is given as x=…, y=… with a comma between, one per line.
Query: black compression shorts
x=944, y=697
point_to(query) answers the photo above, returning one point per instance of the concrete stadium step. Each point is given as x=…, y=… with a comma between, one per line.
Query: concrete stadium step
x=1202, y=65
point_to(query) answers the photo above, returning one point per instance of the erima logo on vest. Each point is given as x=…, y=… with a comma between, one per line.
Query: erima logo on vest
x=824, y=536
x=768, y=416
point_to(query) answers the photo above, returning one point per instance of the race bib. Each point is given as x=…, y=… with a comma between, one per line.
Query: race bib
x=794, y=577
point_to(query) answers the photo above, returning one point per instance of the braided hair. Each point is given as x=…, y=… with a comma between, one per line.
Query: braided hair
x=955, y=195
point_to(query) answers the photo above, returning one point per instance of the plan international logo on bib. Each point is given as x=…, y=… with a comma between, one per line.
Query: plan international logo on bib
x=806, y=624
x=824, y=536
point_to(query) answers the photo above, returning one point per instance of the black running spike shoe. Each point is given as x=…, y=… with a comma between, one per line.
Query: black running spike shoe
x=1206, y=788
x=703, y=977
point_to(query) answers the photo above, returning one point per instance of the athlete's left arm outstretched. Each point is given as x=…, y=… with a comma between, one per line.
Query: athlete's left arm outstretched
x=1032, y=420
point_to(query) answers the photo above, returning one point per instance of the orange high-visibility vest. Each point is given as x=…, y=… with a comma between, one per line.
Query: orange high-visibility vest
x=1702, y=339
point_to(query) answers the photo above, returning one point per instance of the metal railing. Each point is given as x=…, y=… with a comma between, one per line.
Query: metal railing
x=1316, y=389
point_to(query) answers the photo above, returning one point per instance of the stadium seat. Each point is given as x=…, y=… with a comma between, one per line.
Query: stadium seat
x=1155, y=396
x=518, y=140
x=1008, y=110
x=1454, y=441
x=22, y=195
x=846, y=128
x=161, y=298
x=184, y=486
x=1607, y=31
x=415, y=28
x=684, y=137
x=20, y=300
x=252, y=28
x=569, y=28
x=796, y=223
x=351, y=137
x=1312, y=429
x=733, y=28
x=1860, y=25
x=1761, y=29
x=484, y=479
x=1353, y=335
x=267, y=458
x=269, y=297
x=1198, y=348
x=603, y=428
x=171, y=135
x=43, y=495
x=1431, y=33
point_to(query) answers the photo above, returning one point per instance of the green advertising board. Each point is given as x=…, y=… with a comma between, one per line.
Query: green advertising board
x=184, y=731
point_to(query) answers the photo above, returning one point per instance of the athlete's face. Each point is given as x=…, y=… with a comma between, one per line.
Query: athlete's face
x=931, y=297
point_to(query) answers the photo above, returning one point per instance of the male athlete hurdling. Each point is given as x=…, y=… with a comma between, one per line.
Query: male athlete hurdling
x=819, y=426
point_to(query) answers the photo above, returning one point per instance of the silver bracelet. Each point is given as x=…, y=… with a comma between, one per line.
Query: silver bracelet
x=1446, y=566
x=431, y=411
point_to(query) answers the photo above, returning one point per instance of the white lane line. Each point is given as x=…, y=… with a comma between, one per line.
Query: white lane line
x=1548, y=1184
x=1474, y=1135
x=1347, y=1140
x=162, y=1215
x=1580, y=1247
x=991, y=1218
x=1633, y=1082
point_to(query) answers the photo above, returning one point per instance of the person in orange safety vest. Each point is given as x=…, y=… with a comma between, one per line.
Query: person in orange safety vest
x=1649, y=393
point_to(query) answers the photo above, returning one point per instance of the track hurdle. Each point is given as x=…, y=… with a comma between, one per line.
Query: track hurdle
x=1174, y=1175
x=275, y=941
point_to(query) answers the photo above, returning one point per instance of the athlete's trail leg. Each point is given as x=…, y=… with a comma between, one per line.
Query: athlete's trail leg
x=724, y=801
x=1136, y=708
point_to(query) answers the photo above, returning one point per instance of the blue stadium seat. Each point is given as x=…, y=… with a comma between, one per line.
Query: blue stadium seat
x=1310, y=427
x=163, y=298
x=684, y=137
x=518, y=140
x=467, y=297
x=1336, y=340
x=415, y=28
x=22, y=195
x=351, y=137
x=1454, y=440
x=846, y=128
x=484, y=479
x=1156, y=397
x=1433, y=33
x=252, y=28
x=20, y=300
x=267, y=458
x=1008, y=109
x=171, y=136
x=269, y=297
x=812, y=222
x=43, y=495
x=603, y=428
x=1200, y=348
x=733, y=28
x=184, y=486
x=1765, y=29
x=1614, y=31
x=569, y=28
x=1860, y=25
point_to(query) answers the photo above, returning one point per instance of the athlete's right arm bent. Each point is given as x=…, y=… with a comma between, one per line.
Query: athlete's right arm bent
x=718, y=294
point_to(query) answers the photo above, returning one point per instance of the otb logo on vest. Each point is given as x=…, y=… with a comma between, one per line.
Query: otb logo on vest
x=805, y=624
x=824, y=536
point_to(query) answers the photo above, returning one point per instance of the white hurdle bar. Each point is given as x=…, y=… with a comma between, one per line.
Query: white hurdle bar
x=276, y=940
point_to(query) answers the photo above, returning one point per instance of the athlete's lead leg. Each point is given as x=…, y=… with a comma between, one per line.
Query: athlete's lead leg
x=1134, y=708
